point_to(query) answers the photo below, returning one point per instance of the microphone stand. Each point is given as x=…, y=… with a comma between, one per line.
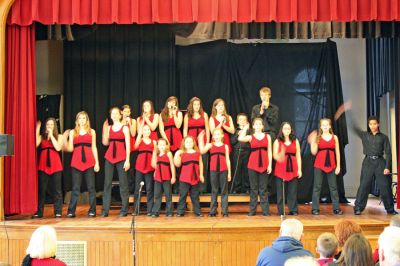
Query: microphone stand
x=133, y=224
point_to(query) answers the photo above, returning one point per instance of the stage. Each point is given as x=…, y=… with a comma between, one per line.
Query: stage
x=188, y=240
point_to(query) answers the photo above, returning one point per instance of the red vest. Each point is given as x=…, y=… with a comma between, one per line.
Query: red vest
x=217, y=159
x=173, y=133
x=287, y=170
x=116, y=151
x=326, y=157
x=82, y=156
x=163, y=169
x=143, y=160
x=190, y=168
x=258, y=159
x=227, y=139
x=49, y=160
x=195, y=126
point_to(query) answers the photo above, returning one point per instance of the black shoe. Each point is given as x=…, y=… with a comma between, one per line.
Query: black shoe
x=37, y=216
x=155, y=215
x=315, y=212
x=251, y=214
x=266, y=214
x=91, y=214
x=211, y=215
x=225, y=215
x=357, y=212
x=392, y=212
x=104, y=214
x=123, y=214
x=57, y=215
x=338, y=212
x=344, y=200
x=180, y=215
x=71, y=215
x=198, y=215
x=293, y=213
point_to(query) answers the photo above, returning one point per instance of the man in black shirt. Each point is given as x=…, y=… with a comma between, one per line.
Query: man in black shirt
x=375, y=145
x=268, y=112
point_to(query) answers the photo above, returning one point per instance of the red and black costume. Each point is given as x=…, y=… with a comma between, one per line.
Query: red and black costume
x=218, y=177
x=162, y=178
x=153, y=134
x=173, y=133
x=227, y=139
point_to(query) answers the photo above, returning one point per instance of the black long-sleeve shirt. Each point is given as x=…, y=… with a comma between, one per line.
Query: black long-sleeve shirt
x=270, y=117
x=376, y=145
x=236, y=144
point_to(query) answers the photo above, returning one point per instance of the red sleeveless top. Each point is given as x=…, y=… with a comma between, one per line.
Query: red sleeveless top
x=143, y=160
x=227, y=139
x=163, y=170
x=173, y=133
x=287, y=170
x=217, y=159
x=82, y=156
x=195, y=126
x=153, y=134
x=116, y=151
x=49, y=160
x=190, y=168
x=258, y=159
x=326, y=157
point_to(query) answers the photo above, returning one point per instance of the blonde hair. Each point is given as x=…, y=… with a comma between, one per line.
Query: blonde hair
x=78, y=127
x=183, y=149
x=214, y=109
x=43, y=243
x=166, y=145
x=327, y=245
x=320, y=130
x=265, y=90
x=221, y=131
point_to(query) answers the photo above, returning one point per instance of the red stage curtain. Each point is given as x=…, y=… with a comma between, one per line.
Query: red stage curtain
x=20, y=182
x=24, y=12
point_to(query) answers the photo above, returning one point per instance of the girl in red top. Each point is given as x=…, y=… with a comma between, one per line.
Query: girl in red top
x=171, y=122
x=130, y=122
x=82, y=144
x=117, y=138
x=144, y=145
x=220, y=169
x=221, y=119
x=286, y=151
x=188, y=156
x=50, y=165
x=259, y=165
x=325, y=146
x=149, y=118
x=164, y=176
x=194, y=122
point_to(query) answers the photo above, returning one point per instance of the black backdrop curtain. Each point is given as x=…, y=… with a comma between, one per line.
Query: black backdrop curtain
x=127, y=64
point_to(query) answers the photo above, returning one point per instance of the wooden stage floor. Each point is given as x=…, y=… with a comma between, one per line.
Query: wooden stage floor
x=188, y=240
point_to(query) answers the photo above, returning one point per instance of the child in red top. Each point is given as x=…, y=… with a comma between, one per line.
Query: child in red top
x=260, y=165
x=164, y=176
x=144, y=170
x=221, y=119
x=170, y=123
x=50, y=165
x=149, y=118
x=325, y=146
x=117, y=138
x=220, y=169
x=82, y=144
x=287, y=168
x=195, y=121
x=188, y=156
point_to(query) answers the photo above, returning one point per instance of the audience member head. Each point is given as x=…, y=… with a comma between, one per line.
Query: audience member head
x=344, y=229
x=43, y=243
x=292, y=228
x=395, y=221
x=356, y=251
x=303, y=261
x=327, y=245
x=389, y=246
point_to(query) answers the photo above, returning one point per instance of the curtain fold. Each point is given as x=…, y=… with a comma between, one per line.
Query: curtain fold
x=20, y=183
x=82, y=12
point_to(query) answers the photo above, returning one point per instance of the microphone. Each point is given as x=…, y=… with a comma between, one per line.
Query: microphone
x=141, y=186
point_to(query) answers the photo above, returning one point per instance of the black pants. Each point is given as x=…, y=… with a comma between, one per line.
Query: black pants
x=123, y=186
x=149, y=185
x=131, y=172
x=369, y=169
x=258, y=187
x=240, y=177
x=290, y=194
x=318, y=177
x=219, y=181
x=76, y=189
x=206, y=186
x=159, y=187
x=56, y=190
x=184, y=189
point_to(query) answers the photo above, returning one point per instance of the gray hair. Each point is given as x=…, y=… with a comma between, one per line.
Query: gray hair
x=292, y=228
x=389, y=242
